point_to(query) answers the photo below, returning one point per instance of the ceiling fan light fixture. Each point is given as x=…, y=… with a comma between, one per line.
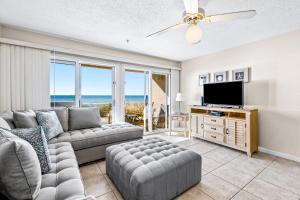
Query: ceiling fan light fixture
x=193, y=34
x=195, y=14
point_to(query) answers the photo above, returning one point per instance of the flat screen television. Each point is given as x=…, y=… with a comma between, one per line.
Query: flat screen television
x=224, y=94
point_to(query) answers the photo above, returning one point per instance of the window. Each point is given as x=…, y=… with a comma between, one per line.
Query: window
x=143, y=100
x=97, y=89
x=62, y=83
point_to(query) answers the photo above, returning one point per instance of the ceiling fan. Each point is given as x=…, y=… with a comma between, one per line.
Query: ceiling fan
x=194, y=14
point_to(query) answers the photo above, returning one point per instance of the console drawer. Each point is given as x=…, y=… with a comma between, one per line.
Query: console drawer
x=214, y=120
x=214, y=136
x=215, y=129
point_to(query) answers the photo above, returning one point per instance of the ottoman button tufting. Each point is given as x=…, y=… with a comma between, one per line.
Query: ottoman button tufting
x=152, y=168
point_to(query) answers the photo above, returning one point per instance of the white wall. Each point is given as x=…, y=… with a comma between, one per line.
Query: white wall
x=105, y=52
x=274, y=86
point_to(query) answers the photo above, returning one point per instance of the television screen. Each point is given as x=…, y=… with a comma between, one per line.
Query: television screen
x=227, y=93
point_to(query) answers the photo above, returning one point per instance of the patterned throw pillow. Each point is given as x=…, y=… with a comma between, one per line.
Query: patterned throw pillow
x=50, y=123
x=37, y=139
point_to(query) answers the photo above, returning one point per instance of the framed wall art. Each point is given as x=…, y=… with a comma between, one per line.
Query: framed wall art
x=240, y=75
x=220, y=77
x=204, y=78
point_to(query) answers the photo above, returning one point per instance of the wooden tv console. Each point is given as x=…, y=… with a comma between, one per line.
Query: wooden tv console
x=238, y=128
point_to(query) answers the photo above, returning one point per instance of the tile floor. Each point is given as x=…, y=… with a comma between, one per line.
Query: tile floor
x=226, y=174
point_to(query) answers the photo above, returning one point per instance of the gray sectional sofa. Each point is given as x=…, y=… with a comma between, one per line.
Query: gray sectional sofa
x=73, y=147
x=90, y=144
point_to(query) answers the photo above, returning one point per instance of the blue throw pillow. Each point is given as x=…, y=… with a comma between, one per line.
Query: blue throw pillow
x=50, y=123
x=37, y=139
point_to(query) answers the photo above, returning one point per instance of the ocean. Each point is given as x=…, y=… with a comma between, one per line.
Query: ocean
x=102, y=99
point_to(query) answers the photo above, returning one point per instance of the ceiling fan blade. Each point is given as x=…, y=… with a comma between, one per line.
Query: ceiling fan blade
x=203, y=2
x=165, y=30
x=231, y=16
x=191, y=6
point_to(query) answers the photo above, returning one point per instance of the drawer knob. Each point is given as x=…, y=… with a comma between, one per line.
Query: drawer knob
x=213, y=120
x=227, y=131
x=213, y=136
x=213, y=128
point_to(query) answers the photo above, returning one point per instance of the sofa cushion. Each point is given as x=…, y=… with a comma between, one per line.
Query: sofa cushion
x=81, y=118
x=63, y=117
x=8, y=117
x=4, y=124
x=37, y=139
x=20, y=172
x=50, y=123
x=63, y=181
x=106, y=134
x=25, y=119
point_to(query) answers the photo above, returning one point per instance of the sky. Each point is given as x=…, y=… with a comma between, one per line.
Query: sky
x=134, y=83
x=94, y=81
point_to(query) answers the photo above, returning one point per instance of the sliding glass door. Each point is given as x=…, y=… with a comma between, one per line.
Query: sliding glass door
x=97, y=89
x=146, y=99
x=136, y=97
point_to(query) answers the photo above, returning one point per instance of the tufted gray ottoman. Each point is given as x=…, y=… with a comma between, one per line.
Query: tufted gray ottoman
x=152, y=169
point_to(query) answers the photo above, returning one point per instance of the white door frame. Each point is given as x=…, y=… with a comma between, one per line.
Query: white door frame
x=150, y=129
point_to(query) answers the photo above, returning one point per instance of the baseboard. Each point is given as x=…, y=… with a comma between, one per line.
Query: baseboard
x=279, y=154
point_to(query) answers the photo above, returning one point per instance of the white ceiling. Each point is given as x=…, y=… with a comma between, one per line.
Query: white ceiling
x=111, y=22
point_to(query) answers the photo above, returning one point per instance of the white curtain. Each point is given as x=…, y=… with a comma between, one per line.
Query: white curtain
x=24, y=78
